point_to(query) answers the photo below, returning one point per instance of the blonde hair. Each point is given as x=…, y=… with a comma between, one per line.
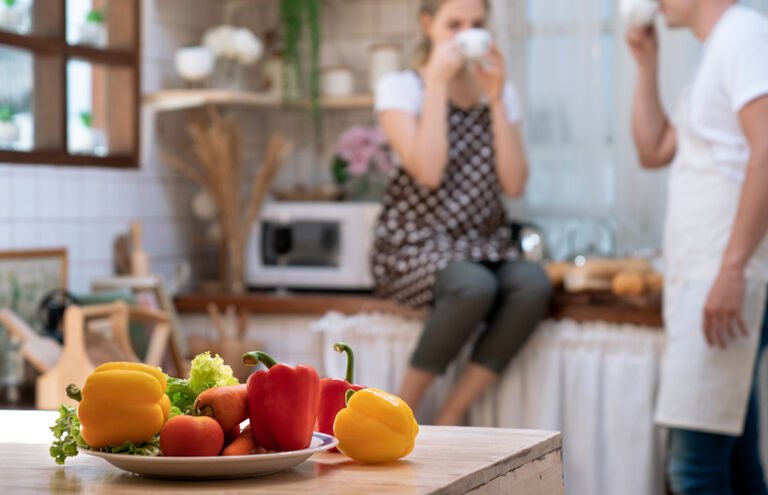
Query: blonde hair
x=424, y=47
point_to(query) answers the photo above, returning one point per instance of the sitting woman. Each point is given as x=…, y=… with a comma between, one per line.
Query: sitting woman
x=442, y=241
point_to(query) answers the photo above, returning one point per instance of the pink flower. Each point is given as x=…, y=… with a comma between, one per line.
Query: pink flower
x=361, y=147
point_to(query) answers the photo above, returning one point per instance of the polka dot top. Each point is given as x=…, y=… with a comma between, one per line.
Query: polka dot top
x=420, y=231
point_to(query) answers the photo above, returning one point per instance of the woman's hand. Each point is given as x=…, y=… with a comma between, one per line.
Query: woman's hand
x=644, y=45
x=490, y=74
x=444, y=63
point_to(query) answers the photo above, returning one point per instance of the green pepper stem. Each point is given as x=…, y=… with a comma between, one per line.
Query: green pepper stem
x=255, y=357
x=342, y=347
x=74, y=392
x=349, y=394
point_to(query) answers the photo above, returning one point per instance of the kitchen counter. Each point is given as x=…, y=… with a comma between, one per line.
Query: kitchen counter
x=581, y=307
x=445, y=460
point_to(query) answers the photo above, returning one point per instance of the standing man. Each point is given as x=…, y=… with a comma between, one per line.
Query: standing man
x=716, y=257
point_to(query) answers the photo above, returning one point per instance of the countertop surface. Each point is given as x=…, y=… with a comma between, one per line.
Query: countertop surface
x=587, y=306
x=444, y=460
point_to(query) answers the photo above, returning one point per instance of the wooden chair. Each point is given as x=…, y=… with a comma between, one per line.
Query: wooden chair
x=87, y=344
x=42, y=352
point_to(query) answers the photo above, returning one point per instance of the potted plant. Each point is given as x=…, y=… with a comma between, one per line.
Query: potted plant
x=300, y=36
x=93, y=31
x=233, y=48
x=14, y=16
x=9, y=130
x=362, y=163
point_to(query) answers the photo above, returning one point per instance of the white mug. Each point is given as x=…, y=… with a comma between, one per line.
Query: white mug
x=474, y=42
x=639, y=13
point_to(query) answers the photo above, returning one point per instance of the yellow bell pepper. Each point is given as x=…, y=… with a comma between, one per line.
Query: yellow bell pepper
x=122, y=402
x=375, y=427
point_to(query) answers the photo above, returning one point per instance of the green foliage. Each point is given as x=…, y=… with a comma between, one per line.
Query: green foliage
x=300, y=24
x=6, y=113
x=339, y=170
x=96, y=16
x=87, y=119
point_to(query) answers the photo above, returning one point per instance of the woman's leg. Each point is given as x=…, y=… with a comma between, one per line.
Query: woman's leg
x=523, y=300
x=464, y=294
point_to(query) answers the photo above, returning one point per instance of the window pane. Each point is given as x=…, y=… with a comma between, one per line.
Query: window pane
x=570, y=79
x=16, y=16
x=569, y=12
x=16, y=117
x=86, y=126
x=87, y=23
x=101, y=102
x=102, y=23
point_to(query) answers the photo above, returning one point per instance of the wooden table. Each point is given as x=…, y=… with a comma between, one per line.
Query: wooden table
x=446, y=460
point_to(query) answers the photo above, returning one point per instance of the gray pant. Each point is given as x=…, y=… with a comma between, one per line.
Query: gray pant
x=510, y=297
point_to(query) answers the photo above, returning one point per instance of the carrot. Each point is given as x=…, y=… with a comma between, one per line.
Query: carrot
x=244, y=444
x=227, y=404
x=231, y=435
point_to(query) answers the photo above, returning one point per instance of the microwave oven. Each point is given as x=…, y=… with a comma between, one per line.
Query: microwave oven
x=312, y=245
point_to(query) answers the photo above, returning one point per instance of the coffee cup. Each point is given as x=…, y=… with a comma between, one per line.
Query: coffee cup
x=639, y=13
x=474, y=42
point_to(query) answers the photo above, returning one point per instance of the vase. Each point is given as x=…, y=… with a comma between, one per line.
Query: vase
x=227, y=74
x=93, y=34
x=9, y=134
x=384, y=58
x=337, y=81
x=15, y=18
x=194, y=64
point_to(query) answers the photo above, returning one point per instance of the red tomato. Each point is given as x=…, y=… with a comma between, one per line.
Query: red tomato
x=191, y=436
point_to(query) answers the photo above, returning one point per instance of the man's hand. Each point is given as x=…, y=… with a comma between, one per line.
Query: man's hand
x=722, y=312
x=644, y=45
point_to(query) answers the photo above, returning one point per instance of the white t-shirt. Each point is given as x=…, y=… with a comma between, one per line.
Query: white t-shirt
x=403, y=91
x=733, y=72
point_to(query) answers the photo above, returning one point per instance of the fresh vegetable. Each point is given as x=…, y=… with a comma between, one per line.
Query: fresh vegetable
x=67, y=435
x=66, y=430
x=375, y=427
x=191, y=436
x=282, y=403
x=333, y=393
x=227, y=404
x=122, y=402
x=244, y=444
x=232, y=434
x=206, y=372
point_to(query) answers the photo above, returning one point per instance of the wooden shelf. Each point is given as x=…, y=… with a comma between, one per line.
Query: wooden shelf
x=180, y=99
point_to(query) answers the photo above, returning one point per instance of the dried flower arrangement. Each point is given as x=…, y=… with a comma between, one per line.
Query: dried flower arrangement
x=221, y=173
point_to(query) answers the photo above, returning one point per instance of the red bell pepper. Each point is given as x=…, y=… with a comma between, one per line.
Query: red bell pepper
x=333, y=393
x=282, y=403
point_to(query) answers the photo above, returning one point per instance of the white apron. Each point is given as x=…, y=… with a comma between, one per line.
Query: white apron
x=703, y=388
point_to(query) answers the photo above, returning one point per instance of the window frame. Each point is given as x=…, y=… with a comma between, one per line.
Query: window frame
x=50, y=49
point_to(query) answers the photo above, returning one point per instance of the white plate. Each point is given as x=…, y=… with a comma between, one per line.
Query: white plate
x=236, y=466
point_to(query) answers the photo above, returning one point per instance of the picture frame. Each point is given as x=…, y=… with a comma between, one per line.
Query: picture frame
x=26, y=276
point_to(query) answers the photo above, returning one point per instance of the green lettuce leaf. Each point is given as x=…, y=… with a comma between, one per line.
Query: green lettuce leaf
x=208, y=372
x=181, y=395
x=151, y=448
x=66, y=431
